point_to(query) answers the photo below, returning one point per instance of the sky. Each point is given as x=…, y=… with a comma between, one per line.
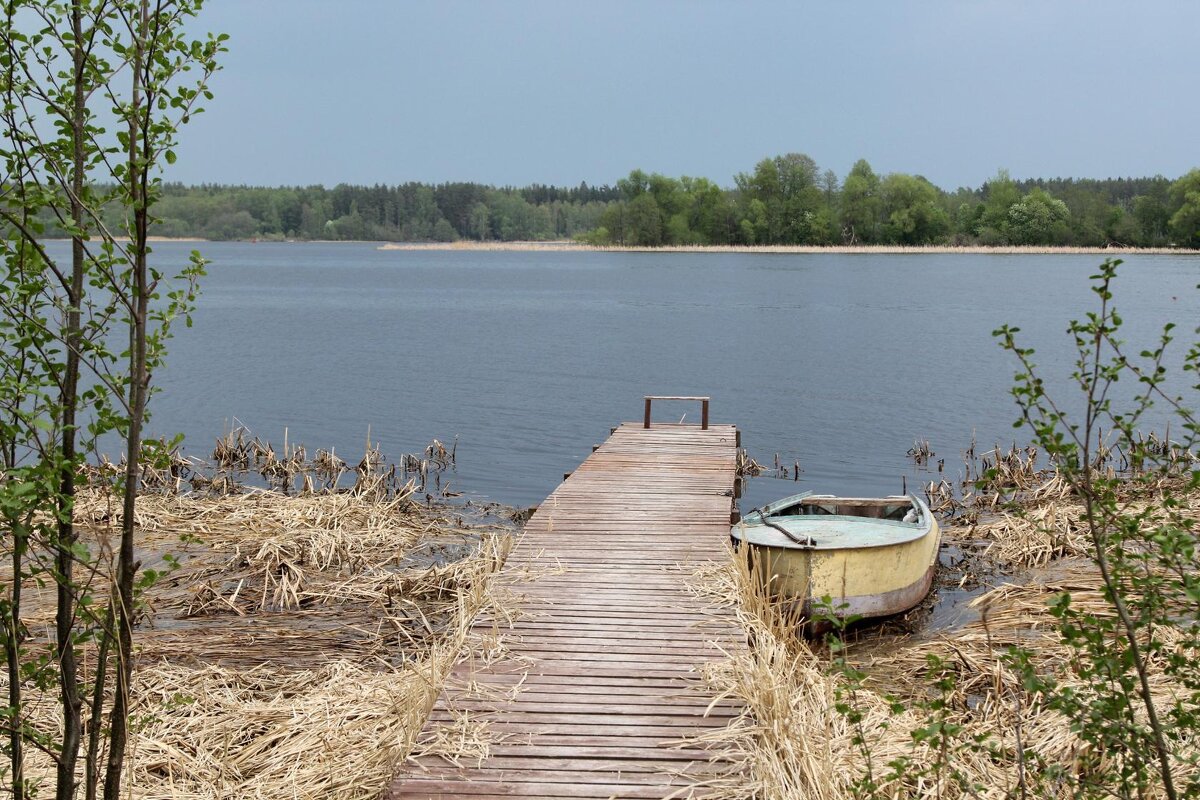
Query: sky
x=562, y=91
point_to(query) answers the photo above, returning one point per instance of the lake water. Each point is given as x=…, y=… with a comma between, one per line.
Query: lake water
x=837, y=361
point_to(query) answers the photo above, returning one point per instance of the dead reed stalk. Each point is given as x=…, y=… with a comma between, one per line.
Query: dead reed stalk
x=792, y=742
x=296, y=650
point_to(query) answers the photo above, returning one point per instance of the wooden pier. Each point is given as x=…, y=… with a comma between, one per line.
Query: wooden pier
x=596, y=691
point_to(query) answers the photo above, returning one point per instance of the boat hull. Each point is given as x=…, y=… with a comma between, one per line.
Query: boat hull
x=860, y=582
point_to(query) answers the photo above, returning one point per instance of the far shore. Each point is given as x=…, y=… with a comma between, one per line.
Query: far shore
x=566, y=245
x=150, y=239
x=787, y=249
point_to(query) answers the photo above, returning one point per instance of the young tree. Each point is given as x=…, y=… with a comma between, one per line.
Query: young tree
x=94, y=92
x=1138, y=742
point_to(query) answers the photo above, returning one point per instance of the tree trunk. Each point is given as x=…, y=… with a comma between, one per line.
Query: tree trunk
x=127, y=568
x=99, y=681
x=65, y=556
x=13, y=652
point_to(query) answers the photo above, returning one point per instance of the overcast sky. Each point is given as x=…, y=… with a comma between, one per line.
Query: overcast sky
x=384, y=91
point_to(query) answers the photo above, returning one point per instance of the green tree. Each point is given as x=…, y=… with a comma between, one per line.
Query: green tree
x=313, y=217
x=669, y=195
x=792, y=201
x=443, y=231
x=1038, y=218
x=613, y=222
x=756, y=225
x=514, y=219
x=710, y=212
x=479, y=226
x=911, y=210
x=1152, y=220
x=1185, y=205
x=348, y=227
x=634, y=184
x=644, y=222
x=422, y=217
x=861, y=205
x=231, y=225
x=1000, y=194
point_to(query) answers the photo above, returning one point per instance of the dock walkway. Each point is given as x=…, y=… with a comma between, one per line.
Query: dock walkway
x=598, y=686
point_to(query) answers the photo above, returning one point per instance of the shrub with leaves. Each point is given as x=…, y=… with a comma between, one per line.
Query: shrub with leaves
x=1121, y=668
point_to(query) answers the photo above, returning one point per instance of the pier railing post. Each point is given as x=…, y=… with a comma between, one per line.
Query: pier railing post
x=703, y=408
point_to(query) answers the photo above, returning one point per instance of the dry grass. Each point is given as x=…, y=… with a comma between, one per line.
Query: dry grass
x=791, y=742
x=298, y=648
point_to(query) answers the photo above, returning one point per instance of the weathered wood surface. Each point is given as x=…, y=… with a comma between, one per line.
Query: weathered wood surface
x=595, y=691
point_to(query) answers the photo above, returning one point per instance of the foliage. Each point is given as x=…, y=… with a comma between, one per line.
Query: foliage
x=784, y=200
x=1038, y=218
x=1185, y=198
x=1146, y=558
x=911, y=210
x=94, y=93
x=862, y=209
x=1129, y=685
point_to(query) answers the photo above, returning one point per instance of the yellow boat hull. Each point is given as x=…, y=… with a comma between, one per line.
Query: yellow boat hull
x=863, y=582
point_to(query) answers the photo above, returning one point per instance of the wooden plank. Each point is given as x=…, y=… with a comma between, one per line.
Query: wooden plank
x=615, y=751
x=501, y=788
x=552, y=768
x=602, y=694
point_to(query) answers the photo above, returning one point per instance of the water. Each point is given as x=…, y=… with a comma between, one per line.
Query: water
x=838, y=361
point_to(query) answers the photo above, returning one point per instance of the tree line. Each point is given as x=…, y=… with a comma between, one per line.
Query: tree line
x=414, y=212
x=788, y=200
x=784, y=200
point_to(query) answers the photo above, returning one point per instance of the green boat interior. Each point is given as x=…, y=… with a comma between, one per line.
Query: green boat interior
x=891, y=508
x=826, y=522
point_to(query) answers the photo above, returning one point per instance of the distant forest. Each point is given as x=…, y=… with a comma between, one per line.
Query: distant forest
x=784, y=200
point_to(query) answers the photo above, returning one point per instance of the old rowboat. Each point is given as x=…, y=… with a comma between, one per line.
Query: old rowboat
x=872, y=556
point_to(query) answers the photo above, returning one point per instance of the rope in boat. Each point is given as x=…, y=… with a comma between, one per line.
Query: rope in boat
x=808, y=542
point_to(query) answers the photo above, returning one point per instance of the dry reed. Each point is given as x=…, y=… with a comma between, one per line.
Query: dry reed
x=791, y=742
x=298, y=648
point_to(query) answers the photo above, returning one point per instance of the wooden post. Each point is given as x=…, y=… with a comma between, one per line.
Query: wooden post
x=703, y=408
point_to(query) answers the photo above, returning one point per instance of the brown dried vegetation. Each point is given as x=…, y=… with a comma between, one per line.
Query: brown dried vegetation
x=297, y=647
x=792, y=742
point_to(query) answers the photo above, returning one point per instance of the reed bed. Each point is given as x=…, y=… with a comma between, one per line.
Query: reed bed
x=792, y=742
x=298, y=646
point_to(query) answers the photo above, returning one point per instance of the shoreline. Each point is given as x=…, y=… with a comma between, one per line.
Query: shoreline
x=565, y=245
x=569, y=246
